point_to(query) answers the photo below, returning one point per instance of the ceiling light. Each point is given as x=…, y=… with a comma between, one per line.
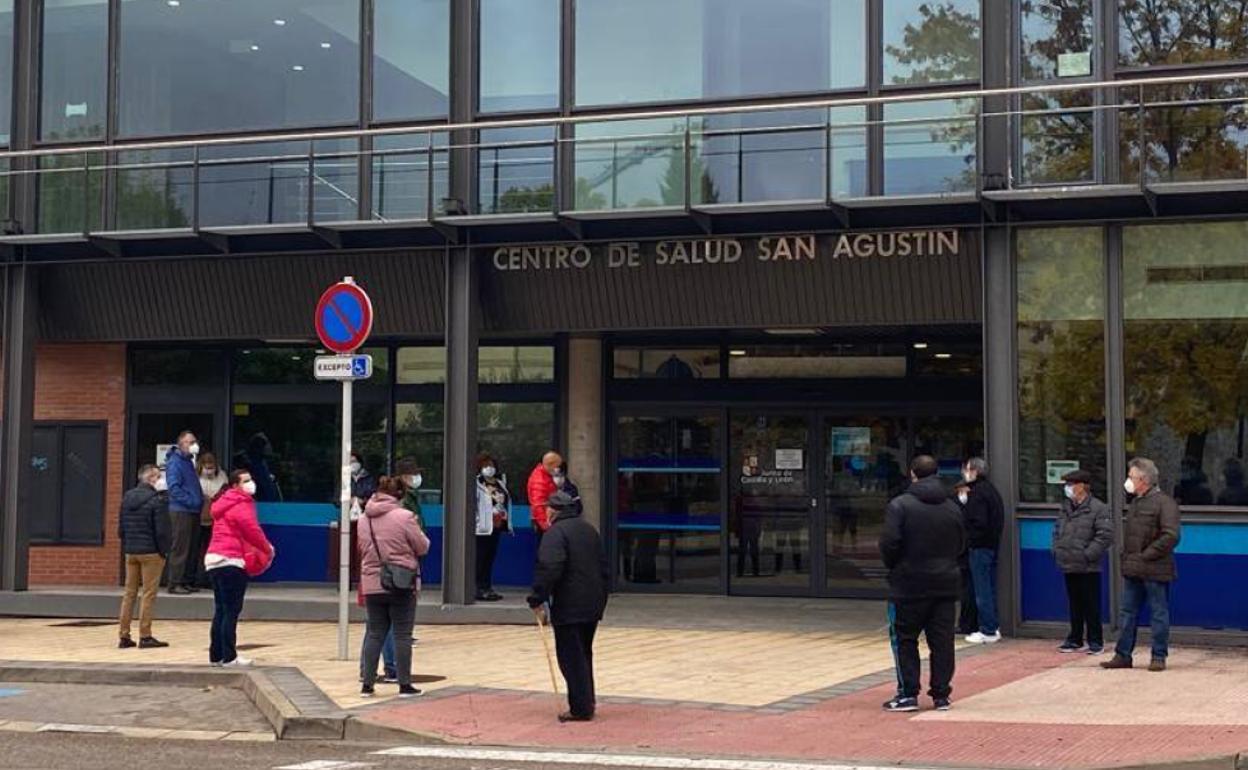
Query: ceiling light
x=920, y=346
x=173, y=3
x=280, y=22
x=255, y=47
x=737, y=353
x=944, y=355
x=297, y=68
x=326, y=45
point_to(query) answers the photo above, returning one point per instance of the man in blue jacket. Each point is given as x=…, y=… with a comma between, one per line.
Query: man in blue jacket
x=186, y=503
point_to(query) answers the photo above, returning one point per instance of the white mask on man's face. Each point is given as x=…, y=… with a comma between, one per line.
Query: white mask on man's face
x=193, y=449
x=963, y=497
x=1129, y=485
x=250, y=488
x=414, y=481
x=355, y=468
x=161, y=484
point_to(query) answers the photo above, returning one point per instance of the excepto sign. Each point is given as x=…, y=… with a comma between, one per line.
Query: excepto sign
x=344, y=317
x=343, y=367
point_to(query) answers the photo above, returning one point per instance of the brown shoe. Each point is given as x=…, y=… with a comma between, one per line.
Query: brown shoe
x=568, y=716
x=1118, y=661
x=1157, y=664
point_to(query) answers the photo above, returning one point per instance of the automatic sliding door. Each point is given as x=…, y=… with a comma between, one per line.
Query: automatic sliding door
x=669, y=501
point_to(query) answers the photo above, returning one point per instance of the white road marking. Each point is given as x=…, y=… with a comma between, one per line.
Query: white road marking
x=609, y=760
x=326, y=764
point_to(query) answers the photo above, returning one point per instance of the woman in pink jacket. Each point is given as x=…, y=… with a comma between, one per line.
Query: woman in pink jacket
x=389, y=535
x=238, y=550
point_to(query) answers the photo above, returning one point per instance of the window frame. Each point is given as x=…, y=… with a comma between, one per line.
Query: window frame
x=60, y=541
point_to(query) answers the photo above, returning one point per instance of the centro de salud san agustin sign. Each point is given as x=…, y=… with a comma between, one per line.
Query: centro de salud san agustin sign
x=727, y=251
x=764, y=282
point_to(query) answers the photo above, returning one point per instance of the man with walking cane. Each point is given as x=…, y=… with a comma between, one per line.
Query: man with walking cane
x=572, y=574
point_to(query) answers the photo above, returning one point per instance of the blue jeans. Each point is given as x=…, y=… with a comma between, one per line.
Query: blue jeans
x=387, y=654
x=229, y=586
x=1134, y=594
x=892, y=642
x=984, y=576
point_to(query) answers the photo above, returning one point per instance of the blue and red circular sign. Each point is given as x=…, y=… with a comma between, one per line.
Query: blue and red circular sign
x=344, y=317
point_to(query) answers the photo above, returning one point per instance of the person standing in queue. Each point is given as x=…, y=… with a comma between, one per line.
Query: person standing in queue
x=546, y=479
x=239, y=550
x=922, y=539
x=390, y=544
x=493, y=519
x=145, y=539
x=572, y=575
x=186, y=505
x=213, y=482
x=1081, y=537
x=968, y=614
x=985, y=523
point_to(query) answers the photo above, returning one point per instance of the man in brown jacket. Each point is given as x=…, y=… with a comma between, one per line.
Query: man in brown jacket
x=1150, y=534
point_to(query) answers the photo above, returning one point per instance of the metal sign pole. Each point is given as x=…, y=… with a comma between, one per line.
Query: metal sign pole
x=344, y=527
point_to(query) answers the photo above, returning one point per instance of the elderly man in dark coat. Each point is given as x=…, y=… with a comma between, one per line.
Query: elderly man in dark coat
x=1081, y=537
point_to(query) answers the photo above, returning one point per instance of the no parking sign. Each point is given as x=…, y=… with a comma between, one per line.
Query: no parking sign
x=344, y=316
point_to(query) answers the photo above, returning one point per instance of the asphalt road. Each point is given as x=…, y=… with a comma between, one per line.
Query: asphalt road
x=61, y=751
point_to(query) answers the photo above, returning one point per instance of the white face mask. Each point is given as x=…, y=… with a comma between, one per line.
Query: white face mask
x=1129, y=485
x=963, y=497
x=355, y=468
x=250, y=488
x=488, y=471
x=1069, y=491
x=414, y=481
x=193, y=449
x=161, y=484
x=968, y=476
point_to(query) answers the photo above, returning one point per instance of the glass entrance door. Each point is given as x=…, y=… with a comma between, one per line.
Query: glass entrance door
x=772, y=507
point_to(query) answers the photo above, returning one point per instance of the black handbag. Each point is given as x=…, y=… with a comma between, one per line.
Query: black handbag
x=395, y=579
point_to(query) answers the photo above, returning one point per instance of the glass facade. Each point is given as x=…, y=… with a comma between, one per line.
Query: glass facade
x=1185, y=334
x=669, y=50
x=1061, y=355
x=73, y=79
x=1180, y=32
x=931, y=42
x=1058, y=38
x=929, y=147
x=1184, y=133
x=6, y=83
x=411, y=59
x=519, y=52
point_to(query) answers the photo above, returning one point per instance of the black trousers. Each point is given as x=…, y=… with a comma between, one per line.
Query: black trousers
x=229, y=588
x=185, y=534
x=1083, y=589
x=934, y=618
x=574, y=646
x=389, y=612
x=487, y=551
x=968, y=613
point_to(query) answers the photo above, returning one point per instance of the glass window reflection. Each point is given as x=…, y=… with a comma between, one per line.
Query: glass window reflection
x=1180, y=31
x=931, y=41
x=664, y=50
x=73, y=80
x=411, y=59
x=6, y=83
x=929, y=147
x=517, y=171
x=1057, y=38
x=519, y=49
x=199, y=66
x=402, y=186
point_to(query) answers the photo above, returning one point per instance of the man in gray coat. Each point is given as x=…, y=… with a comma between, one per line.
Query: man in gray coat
x=1081, y=537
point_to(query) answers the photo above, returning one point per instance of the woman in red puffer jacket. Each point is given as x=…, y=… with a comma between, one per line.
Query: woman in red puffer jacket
x=238, y=550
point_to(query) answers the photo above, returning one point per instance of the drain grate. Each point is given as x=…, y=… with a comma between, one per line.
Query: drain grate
x=83, y=624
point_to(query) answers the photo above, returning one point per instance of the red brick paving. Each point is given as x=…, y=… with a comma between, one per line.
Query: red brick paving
x=849, y=728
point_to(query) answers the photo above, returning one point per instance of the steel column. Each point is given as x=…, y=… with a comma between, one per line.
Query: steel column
x=460, y=448
x=1115, y=404
x=20, y=318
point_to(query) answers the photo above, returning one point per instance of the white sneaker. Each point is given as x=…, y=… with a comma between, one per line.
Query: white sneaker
x=237, y=663
x=982, y=638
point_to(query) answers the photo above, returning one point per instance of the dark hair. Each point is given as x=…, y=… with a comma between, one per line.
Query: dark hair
x=484, y=459
x=184, y=434
x=237, y=474
x=146, y=469
x=923, y=466
x=206, y=458
x=393, y=486
x=407, y=466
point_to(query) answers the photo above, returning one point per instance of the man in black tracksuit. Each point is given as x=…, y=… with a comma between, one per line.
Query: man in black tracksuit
x=572, y=574
x=922, y=539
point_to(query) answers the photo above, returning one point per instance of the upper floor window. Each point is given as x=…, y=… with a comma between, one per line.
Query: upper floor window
x=931, y=41
x=411, y=59
x=519, y=49
x=197, y=66
x=6, y=55
x=1057, y=38
x=1181, y=31
x=666, y=50
x=73, y=80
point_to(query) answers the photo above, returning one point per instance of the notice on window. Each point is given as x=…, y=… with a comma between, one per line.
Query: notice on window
x=850, y=442
x=162, y=451
x=789, y=460
x=1055, y=469
x=1075, y=64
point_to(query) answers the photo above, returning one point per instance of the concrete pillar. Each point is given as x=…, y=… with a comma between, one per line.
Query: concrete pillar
x=459, y=490
x=583, y=431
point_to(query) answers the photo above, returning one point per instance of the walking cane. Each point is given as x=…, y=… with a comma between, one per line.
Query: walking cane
x=550, y=660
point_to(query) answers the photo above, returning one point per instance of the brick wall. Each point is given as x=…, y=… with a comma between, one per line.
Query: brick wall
x=84, y=382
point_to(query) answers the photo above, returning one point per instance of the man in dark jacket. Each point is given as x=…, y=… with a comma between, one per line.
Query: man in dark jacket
x=1150, y=535
x=921, y=542
x=143, y=528
x=985, y=521
x=572, y=574
x=1081, y=537
x=186, y=505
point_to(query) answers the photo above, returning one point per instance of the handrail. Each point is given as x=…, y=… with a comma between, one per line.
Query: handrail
x=678, y=113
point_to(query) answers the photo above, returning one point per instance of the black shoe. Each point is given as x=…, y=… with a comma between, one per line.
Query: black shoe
x=568, y=716
x=1069, y=647
x=151, y=642
x=126, y=643
x=179, y=590
x=902, y=704
x=367, y=691
x=191, y=589
x=942, y=704
x=493, y=596
x=390, y=678
x=407, y=691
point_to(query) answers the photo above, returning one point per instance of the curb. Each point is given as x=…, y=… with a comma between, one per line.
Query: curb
x=1219, y=762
